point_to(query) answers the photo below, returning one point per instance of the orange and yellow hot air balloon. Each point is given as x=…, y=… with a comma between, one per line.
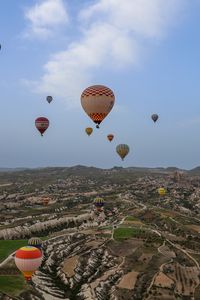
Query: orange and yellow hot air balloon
x=97, y=101
x=88, y=130
x=110, y=137
x=28, y=259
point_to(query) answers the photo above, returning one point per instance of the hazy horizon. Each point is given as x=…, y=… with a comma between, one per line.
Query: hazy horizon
x=91, y=166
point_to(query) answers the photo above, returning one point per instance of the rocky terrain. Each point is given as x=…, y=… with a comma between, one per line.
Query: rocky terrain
x=141, y=246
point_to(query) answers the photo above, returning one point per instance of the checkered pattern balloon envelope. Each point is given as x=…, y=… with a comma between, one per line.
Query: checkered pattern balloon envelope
x=97, y=101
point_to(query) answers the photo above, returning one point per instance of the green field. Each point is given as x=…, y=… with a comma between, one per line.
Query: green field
x=106, y=227
x=12, y=285
x=9, y=246
x=125, y=233
x=131, y=218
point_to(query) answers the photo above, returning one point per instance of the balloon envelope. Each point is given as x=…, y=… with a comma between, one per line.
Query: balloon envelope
x=110, y=137
x=97, y=101
x=41, y=124
x=122, y=150
x=49, y=99
x=28, y=259
x=99, y=202
x=45, y=200
x=88, y=130
x=154, y=117
x=35, y=242
x=161, y=191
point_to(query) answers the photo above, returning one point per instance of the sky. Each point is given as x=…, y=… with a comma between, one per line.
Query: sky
x=146, y=51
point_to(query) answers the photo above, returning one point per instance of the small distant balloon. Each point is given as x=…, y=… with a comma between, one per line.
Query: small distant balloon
x=41, y=124
x=45, y=201
x=97, y=101
x=88, y=131
x=122, y=150
x=49, y=99
x=99, y=203
x=162, y=191
x=110, y=137
x=155, y=117
x=35, y=242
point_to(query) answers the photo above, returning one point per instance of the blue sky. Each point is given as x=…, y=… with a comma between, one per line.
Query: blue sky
x=147, y=51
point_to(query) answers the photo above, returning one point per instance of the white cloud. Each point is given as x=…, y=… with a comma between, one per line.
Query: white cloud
x=113, y=32
x=44, y=17
x=148, y=18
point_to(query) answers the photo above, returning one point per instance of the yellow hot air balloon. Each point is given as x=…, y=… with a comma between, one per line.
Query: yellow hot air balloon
x=122, y=150
x=97, y=101
x=88, y=130
x=110, y=137
x=161, y=191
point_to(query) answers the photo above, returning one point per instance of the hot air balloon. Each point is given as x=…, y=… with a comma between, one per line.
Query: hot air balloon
x=88, y=130
x=45, y=200
x=122, y=150
x=110, y=137
x=97, y=101
x=49, y=99
x=161, y=191
x=35, y=242
x=154, y=117
x=42, y=124
x=28, y=259
x=99, y=203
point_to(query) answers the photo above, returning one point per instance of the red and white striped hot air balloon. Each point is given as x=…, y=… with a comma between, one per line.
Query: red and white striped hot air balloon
x=28, y=259
x=97, y=101
x=41, y=124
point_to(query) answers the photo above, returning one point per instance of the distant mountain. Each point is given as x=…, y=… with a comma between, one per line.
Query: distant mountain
x=81, y=170
x=12, y=169
x=80, y=167
x=172, y=169
x=153, y=170
x=117, y=169
x=195, y=171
